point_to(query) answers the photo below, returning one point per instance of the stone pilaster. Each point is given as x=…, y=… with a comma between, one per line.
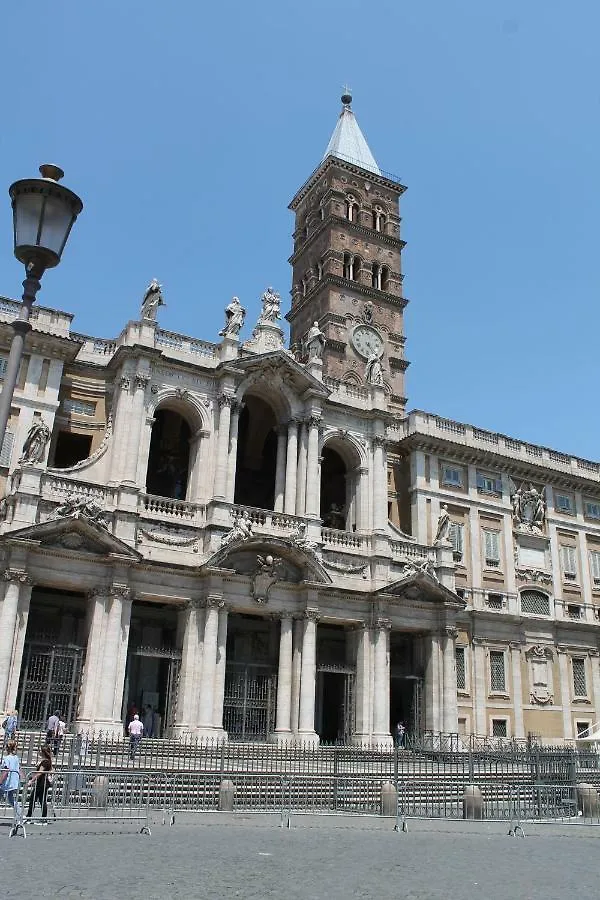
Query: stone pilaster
x=381, y=683
x=191, y=667
x=280, y=468
x=221, y=662
x=302, y=465
x=296, y=673
x=306, y=729
x=362, y=733
x=479, y=688
x=432, y=685
x=209, y=665
x=380, y=514
x=221, y=462
x=291, y=467
x=236, y=409
x=312, y=468
x=450, y=707
x=517, y=691
x=283, y=722
x=17, y=593
x=134, y=428
x=565, y=692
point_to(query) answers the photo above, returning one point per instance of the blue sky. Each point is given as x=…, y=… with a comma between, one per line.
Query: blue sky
x=187, y=127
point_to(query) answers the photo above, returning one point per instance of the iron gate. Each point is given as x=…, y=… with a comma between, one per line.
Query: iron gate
x=50, y=680
x=249, y=701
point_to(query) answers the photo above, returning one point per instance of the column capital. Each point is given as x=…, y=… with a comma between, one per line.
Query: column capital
x=141, y=381
x=383, y=624
x=193, y=604
x=225, y=400
x=314, y=421
x=123, y=591
x=311, y=614
x=450, y=631
x=214, y=601
x=16, y=575
x=125, y=382
x=379, y=440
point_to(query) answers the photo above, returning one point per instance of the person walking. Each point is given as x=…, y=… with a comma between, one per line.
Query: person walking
x=52, y=727
x=136, y=729
x=400, y=734
x=40, y=782
x=10, y=725
x=58, y=736
x=10, y=777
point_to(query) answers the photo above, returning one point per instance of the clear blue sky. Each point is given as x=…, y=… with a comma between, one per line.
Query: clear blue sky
x=186, y=128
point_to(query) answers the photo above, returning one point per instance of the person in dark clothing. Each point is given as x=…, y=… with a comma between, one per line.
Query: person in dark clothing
x=40, y=783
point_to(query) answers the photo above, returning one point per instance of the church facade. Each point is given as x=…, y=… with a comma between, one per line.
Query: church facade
x=259, y=542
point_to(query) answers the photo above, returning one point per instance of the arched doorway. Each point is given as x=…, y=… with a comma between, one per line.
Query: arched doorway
x=169, y=457
x=256, y=455
x=339, y=482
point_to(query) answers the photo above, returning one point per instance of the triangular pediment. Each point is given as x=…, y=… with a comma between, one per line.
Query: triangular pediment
x=74, y=535
x=422, y=586
x=296, y=563
x=279, y=363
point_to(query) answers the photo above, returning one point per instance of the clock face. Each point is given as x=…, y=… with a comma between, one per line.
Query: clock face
x=367, y=340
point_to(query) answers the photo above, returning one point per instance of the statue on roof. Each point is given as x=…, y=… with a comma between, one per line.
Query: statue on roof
x=315, y=342
x=271, y=306
x=153, y=298
x=235, y=315
x=374, y=369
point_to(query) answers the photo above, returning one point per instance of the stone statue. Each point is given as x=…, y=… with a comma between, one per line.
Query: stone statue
x=335, y=518
x=368, y=313
x=241, y=531
x=374, y=369
x=315, y=342
x=35, y=443
x=82, y=508
x=235, y=315
x=271, y=306
x=442, y=535
x=529, y=509
x=153, y=298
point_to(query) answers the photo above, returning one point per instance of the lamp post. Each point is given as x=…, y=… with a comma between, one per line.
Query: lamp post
x=43, y=214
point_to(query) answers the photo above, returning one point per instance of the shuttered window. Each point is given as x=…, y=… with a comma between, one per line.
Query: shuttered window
x=491, y=544
x=7, y=448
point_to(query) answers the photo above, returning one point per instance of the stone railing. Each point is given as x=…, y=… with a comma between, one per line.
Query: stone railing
x=58, y=489
x=402, y=550
x=42, y=318
x=265, y=520
x=348, y=540
x=469, y=436
x=352, y=394
x=184, y=346
x=95, y=349
x=153, y=507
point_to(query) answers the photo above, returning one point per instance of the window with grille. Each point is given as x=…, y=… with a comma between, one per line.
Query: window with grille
x=564, y=503
x=595, y=566
x=583, y=729
x=452, y=476
x=456, y=539
x=579, y=680
x=3, y=364
x=569, y=563
x=535, y=603
x=574, y=611
x=82, y=407
x=592, y=510
x=491, y=543
x=7, y=448
x=497, y=675
x=495, y=601
x=499, y=728
x=488, y=484
x=461, y=671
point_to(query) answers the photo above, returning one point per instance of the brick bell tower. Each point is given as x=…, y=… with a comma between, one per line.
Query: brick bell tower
x=347, y=272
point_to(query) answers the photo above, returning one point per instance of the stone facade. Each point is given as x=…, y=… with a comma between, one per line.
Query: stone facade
x=257, y=542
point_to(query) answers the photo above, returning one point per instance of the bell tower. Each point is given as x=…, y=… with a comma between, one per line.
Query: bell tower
x=346, y=264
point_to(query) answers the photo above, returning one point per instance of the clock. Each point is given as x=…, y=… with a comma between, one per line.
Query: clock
x=366, y=340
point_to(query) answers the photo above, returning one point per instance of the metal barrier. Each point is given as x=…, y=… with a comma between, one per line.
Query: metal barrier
x=77, y=795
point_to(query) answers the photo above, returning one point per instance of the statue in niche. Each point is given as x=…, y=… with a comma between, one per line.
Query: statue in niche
x=529, y=509
x=241, y=531
x=271, y=306
x=335, y=518
x=35, y=443
x=442, y=535
x=235, y=315
x=153, y=298
x=315, y=342
x=368, y=313
x=374, y=369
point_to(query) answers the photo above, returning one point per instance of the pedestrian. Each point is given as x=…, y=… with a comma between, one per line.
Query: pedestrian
x=136, y=729
x=400, y=732
x=58, y=736
x=52, y=727
x=40, y=781
x=10, y=777
x=149, y=722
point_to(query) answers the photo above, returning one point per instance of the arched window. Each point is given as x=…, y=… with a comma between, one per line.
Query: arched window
x=348, y=267
x=352, y=208
x=378, y=219
x=376, y=276
x=340, y=486
x=319, y=271
x=256, y=454
x=356, y=267
x=303, y=285
x=169, y=457
x=535, y=603
x=385, y=279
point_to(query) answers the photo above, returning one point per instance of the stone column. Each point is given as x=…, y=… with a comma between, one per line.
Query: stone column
x=313, y=486
x=362, y=733
x=381, y=683
x=120, y=433
x=450, y=708
x=114, y=655
x=225, y=401
x=479, y=688
x=432, y=686
x=302, y=463
x=517, y=691
x=306, y=729
x=280, y=468
x=565, y=692
x=283, y=723
x=187, y=696
x=296, y=673
x=18, y=646
x=98, y=604
x=209, y=665
x=134, y=429
x=16, y=592
x=236, y=409
x=291, y=467
x=221, y=662
x=380, y=515
x=362, y=499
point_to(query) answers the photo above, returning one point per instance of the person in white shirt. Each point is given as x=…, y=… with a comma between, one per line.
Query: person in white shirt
x=135, y=729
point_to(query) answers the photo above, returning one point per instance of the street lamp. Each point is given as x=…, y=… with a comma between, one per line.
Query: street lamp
x=43, y=214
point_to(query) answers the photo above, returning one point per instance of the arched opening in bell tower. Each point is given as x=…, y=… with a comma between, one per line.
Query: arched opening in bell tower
x=256, y=454
x=169, y=457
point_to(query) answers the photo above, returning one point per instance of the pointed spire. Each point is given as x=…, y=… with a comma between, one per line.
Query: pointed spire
x=348, y=142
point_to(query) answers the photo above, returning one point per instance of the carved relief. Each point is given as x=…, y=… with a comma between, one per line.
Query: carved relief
x=539, y=663
x=529, y=509
x=271, y=569
x=81, y=508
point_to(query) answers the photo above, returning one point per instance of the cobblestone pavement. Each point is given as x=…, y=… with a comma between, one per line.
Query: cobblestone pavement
x=318, y=859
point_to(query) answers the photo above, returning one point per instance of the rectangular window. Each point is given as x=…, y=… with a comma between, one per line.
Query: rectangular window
x=497, y=675
x=535, y=603
x=456, y=539
x=574, y=611
x=7, y=447
x=595, y=566
x=494, y=601
x=499, y=728
x=488, y=484
x=461, y=672
x=452, y=476
x=564, y=503
x=81, y=407
x=569, y=563
x=491, y=543
x=579, y=679
x=583, y=729
x=592, y=510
